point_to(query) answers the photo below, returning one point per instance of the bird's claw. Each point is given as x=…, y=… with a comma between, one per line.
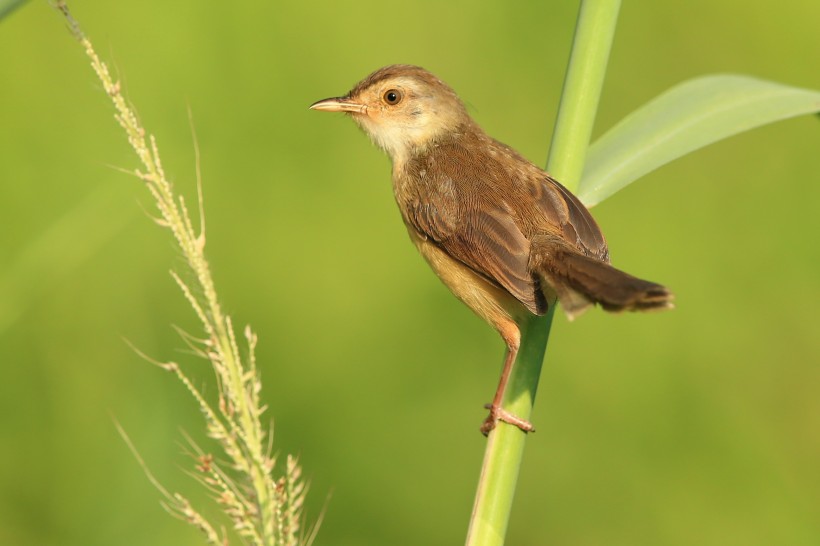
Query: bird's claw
x=500, y=414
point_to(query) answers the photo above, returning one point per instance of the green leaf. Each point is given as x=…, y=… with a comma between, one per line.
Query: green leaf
x=687, y=117
x=7, y=6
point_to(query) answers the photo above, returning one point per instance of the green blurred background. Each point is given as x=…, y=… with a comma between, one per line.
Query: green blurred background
x=698, y=426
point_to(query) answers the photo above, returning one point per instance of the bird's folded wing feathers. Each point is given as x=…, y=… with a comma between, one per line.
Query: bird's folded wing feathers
x=565, y=211
x=488, y=241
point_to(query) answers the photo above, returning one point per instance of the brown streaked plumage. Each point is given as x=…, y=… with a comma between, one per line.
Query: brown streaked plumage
x=504, y=236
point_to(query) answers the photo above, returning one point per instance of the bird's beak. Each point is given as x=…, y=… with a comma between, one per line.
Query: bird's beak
x=339, y=104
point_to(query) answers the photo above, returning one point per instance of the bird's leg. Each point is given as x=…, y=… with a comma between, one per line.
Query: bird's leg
x=497, y=413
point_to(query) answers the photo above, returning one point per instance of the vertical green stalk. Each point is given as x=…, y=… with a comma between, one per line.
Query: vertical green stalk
x=573, y=129
x=582, y=88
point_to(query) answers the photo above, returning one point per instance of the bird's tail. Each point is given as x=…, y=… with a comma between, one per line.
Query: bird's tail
x=580, y=281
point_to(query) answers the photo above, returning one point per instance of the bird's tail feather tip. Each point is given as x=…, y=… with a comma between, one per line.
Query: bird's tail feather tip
x=653, y=298
x=580, y=281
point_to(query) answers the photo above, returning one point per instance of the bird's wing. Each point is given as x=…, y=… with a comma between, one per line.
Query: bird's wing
x=494, y=245
x=552, y=207
x=565, y=211
x=485, y=238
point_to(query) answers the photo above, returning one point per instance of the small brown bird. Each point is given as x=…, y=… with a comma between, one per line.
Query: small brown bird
x=505, y=237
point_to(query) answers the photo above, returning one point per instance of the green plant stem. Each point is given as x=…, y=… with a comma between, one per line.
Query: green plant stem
x=582, y=89
x=573, y=129
x=505, y=445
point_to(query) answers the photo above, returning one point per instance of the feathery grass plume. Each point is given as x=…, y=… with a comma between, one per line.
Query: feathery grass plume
x=262, y=509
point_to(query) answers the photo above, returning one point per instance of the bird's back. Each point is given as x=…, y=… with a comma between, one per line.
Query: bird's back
x=473, y=172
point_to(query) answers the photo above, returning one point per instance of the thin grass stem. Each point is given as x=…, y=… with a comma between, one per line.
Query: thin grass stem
x=252, y=499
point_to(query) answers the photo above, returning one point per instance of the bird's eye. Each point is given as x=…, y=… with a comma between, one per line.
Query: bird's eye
x=392, y=97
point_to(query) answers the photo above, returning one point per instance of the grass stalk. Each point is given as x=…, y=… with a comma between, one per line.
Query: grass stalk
x=594, y=32
x=582, y=89
x=263, y=510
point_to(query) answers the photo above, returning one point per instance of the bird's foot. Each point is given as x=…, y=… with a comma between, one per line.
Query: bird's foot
x=500, y=414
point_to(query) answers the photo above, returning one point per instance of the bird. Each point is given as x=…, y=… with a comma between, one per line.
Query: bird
x=505, y=237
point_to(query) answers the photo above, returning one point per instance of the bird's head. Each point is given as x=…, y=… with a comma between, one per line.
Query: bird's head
x=402, y=108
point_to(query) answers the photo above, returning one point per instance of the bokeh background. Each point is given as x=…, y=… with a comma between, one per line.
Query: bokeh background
x=698, y=426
